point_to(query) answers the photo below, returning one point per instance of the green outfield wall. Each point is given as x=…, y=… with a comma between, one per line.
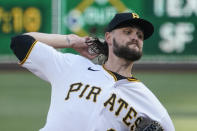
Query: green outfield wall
x=174, y=39
x=19, y=16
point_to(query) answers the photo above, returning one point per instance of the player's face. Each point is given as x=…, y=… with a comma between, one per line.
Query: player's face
x=128, y=43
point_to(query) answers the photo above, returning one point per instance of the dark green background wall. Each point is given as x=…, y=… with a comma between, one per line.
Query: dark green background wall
x=174, y=39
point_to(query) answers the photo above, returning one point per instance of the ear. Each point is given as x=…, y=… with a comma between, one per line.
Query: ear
x=108, y=38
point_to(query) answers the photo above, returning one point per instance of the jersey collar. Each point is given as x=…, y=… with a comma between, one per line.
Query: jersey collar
x=117, y=76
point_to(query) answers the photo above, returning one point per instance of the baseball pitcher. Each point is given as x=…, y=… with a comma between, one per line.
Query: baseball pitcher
x=92, y=97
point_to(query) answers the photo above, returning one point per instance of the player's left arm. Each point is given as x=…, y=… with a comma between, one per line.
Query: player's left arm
x=65, y=41
x=41, y=59
x=34, y=55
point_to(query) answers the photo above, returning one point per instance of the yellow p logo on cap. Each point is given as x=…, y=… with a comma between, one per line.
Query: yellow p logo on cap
x=135, y=15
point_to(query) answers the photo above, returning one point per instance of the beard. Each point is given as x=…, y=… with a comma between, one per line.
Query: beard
x=125, y=52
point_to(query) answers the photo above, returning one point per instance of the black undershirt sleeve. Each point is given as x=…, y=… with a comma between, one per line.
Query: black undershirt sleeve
x=21, y=44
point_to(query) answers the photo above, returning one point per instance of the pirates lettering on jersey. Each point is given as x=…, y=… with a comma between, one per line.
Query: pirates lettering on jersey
x=93, y=91
x=131, y=114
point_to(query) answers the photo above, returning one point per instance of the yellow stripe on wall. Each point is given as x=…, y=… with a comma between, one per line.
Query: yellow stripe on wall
x=84, y=4
x=118, y=5
x=81, y=32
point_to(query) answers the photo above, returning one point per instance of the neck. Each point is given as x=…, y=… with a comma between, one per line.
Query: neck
x=119, y=65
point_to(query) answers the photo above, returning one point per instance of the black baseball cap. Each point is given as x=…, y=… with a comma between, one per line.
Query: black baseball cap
x=129, y=19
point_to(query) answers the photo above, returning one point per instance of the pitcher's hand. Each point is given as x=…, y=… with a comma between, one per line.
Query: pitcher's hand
x=81, y=45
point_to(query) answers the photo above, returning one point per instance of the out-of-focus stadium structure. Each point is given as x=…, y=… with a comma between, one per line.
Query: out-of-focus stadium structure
x=173, y=42
x=168, y=66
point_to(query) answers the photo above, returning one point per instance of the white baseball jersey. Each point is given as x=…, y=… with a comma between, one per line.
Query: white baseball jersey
x=87, y=97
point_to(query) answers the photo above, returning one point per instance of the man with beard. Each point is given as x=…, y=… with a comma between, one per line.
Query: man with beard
x=90, y=97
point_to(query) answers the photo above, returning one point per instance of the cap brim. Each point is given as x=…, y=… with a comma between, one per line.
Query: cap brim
x=144, y=25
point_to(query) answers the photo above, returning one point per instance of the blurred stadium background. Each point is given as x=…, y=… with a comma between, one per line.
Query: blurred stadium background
x=168, y=67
